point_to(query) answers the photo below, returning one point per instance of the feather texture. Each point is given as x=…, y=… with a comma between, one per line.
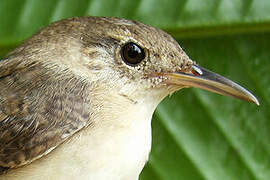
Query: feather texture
x=38, y=111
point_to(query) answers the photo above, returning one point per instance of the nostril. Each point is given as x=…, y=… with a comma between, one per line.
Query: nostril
x=196, y=71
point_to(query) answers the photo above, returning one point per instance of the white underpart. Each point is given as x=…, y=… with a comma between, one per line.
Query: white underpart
x=115, y=149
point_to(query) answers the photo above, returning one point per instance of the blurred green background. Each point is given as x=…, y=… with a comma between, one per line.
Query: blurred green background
x=196, y=134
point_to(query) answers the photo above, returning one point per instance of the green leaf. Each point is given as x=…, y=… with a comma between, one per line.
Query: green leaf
x=196, y=134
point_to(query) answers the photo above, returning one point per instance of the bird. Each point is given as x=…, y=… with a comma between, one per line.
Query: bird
x=77, y=98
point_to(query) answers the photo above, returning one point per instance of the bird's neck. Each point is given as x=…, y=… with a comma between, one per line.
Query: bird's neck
x=116, y=147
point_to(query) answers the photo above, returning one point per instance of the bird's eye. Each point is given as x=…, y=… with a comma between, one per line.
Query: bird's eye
x=132, y=54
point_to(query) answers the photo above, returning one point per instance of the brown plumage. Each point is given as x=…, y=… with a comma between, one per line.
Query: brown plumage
x=39, y=109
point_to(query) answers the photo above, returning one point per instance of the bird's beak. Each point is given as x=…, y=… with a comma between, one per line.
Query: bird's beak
x=205, y=79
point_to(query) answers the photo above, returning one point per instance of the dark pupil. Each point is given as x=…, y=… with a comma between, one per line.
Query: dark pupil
x=132, y=53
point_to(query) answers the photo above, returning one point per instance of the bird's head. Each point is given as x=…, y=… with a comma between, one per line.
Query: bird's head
x=128, y=57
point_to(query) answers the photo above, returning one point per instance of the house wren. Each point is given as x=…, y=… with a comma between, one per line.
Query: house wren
x=77, y=98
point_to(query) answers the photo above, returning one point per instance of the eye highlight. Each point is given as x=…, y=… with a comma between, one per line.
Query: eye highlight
x=132, y=54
